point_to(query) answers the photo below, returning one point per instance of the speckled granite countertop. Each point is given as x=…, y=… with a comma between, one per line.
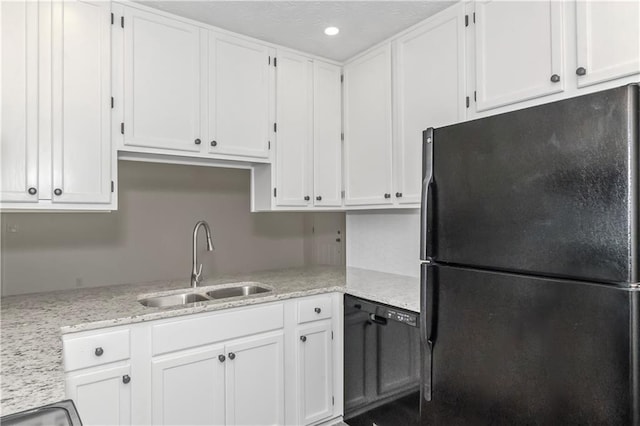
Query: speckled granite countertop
x=31, y=325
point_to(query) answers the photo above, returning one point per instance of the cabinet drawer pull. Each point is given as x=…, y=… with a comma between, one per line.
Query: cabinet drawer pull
x=555, y=78
x=307, y=198
x=303, y=338
x=126, y=379
x=317, y=310
x=319, y=198
x=33, y=191
x=221, y=358
x=581, y=71
x=232, y=356
x=197, y=141
x=99, y=351
x=57, y=191
x=214, y=143
x=398, y=194
x=387, y=195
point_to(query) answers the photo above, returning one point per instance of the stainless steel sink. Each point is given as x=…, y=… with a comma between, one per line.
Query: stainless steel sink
x=173, y=300
x=242, y=290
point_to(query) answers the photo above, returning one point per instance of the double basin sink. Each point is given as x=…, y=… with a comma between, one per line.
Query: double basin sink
x=188, y=296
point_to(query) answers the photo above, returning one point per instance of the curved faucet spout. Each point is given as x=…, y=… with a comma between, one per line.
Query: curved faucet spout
x=196, y=269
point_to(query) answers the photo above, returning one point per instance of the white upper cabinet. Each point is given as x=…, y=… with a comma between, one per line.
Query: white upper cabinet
x=608, y=40
x=294, y=117
x=367, y=128
x=430, y=92
x=327, y=129
x=19, y=88
x=519, y=51
x=81, y=83
x=238, y=97
x=161, y=82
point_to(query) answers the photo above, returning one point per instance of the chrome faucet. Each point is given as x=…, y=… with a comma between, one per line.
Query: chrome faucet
x=196, y=270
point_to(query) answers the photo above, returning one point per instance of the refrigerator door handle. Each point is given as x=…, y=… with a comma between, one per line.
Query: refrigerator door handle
x=427, y=177
x=427, y=335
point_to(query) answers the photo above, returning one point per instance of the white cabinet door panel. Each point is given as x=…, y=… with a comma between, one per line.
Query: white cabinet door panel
x=327, y=143
x=82, y=95
x=368, y=144
x=608, y=40
x=161, y=82
x=19, y=87
x=315, y=372
x=102, y=397
x=430, y=92
x=255, y=381
x=519, y=47
x=294, y=117
x=238, y=101
x=189, y=387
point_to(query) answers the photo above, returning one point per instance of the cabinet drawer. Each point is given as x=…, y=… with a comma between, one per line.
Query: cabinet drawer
x=95, y=349
x=313, y=309
x=183, y=334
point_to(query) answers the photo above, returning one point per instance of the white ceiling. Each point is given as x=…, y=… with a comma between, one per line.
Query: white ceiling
x=300, y=24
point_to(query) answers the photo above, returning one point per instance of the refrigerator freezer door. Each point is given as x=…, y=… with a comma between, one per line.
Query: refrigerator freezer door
x=550, y=190
x=511, y=349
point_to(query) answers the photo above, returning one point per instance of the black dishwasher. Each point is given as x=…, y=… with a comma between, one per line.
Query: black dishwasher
x=381, y=364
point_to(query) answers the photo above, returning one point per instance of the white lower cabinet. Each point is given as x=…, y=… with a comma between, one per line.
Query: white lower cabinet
x=230, y=367
x=102, y=396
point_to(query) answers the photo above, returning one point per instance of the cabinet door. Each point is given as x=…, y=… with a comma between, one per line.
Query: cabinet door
x=238, y=100
x=81, y=83
x=161, y=82
x=255, y=381
x=327, y=129
x=315, y=369
x=19, y=114
x=294, y=116
x=608, y=40
x=519, y=48
x=102, y=397
x=430, y=92
x=189, y=387
x=367, y=128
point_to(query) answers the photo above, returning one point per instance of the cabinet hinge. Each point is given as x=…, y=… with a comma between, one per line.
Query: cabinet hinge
x=467, y=102
x=122, y=128
x=342, y=137
x=112, y=187
x=112, y=19
x=342, y=193
x=333, y=400
x=475, y=96
x=122, y=21
x=269, y=145
x=275, y=127
x=466, y=20
x=474, y=17
x=112, y=102
x=332, y=335
x=341, y=78
x=275, y=61
x=269, y=60
x=274, y=191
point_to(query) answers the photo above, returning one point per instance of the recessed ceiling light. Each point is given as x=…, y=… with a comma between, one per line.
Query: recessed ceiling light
x=331, y=31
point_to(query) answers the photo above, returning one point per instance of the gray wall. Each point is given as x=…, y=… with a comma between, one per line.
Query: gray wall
x=149, y=237
x=386, y=241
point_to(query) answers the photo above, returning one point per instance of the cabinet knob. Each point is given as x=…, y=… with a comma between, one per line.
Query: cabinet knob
x=555, y=78
x=57, y=191
x=99, y=351
x=581, y=71
x=197, y=141
x=398, y=194
x=126, y=379
x=303, y=338
x=221, y=358
x=232, y=356
x=317, y=310
x=307, y=198
x=214, y=143
x=387, y=195
x=319, y=198
x=33, y=191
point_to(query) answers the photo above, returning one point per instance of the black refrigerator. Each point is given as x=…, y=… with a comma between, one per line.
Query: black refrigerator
x=530, y=302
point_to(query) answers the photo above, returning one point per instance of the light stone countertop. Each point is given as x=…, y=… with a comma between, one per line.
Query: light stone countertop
x=31, y=325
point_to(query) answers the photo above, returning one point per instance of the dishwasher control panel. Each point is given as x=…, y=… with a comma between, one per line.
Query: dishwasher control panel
x=402, y=317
